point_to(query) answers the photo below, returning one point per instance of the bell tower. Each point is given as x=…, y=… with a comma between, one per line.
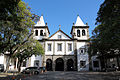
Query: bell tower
x=80, y=30
x=41, y=30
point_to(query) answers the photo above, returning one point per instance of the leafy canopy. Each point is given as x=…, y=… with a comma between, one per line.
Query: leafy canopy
x=106, y=36
x=15, y=29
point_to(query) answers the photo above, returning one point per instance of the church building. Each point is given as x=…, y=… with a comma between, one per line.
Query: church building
x=62, y=52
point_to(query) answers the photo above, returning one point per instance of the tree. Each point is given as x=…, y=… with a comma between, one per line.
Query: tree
x=8, y=7
x=24, y=52
x=106, y=36
x=16, y=27
x=7, y=14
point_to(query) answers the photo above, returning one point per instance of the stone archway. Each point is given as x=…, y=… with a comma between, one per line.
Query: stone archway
x=49, y=65
x=70, y=65
x=59, y=64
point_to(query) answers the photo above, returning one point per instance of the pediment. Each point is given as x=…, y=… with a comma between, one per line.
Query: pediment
x=59, y=33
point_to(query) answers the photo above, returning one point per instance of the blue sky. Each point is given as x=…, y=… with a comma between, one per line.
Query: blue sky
x=64, y=12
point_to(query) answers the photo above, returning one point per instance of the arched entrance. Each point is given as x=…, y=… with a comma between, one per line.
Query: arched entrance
x=49, y=65
x=59, y=65
x=70, y=66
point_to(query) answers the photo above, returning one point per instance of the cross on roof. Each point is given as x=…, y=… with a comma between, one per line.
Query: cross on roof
x=59, y=27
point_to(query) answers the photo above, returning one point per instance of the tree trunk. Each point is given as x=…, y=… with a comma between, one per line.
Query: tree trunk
x=90, y=63
x=105, y=60
x=7, y=63
x=19, y=66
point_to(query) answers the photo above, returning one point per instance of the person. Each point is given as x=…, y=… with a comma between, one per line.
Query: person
x=116, y=68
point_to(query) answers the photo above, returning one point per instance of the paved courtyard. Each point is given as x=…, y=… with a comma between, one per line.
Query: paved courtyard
x=66, y=76
x=76, y=76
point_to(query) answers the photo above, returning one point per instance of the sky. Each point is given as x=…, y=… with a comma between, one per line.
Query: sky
x=64, y=13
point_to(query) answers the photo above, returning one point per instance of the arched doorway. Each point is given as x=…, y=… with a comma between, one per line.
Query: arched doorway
x=59, y=64
x=70, y=66
x=49, y=65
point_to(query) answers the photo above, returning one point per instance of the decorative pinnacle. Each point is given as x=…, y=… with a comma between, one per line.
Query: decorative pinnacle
x=73, y=24
x=42, y=14
x=59, y=27
x=77, y=14
x=87, y=24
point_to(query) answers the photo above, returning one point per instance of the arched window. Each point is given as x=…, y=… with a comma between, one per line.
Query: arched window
x=83, y=33
x=41, y=32
x=36, y=32
x=78, y=33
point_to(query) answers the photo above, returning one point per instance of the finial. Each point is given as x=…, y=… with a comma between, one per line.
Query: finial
x=73, y=24
x=42, y=14
x=77, y=14
x=87, y=24
x=59, y=27
x=46, y=24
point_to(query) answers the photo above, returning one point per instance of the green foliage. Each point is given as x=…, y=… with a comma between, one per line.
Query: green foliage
x=15, y=29
x=30, y=48
x=24, y=52
x=8, y=7
x=37, y=48
x=106, y=36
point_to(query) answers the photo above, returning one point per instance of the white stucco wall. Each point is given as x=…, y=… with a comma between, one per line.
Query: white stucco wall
x=1, y=59
x=69, y=52
x=81, y=37
x=82, y=56
x=59, y=33
x=41, y=37
x=33, y=58
x=54, y=47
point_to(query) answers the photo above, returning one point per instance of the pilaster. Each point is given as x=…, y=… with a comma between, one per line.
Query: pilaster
x=75, y=54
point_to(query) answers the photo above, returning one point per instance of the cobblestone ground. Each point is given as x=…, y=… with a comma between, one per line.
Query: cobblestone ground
x=76, y=76
x=68, y=76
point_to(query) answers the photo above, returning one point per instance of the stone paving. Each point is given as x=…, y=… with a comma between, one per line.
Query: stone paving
x=72, y=75
x=76, y=76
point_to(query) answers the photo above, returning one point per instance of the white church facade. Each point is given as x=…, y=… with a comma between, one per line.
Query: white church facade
x=62, y=52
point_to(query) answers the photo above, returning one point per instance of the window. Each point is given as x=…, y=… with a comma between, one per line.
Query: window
x=49, y=47
x=69, y=47
x=59, y=36
x=41, y=32
x=36, y=63
x=78, y=33
x=59, y=47
x=96, y=63
x=36, y=32
x=82, y=64
x=83, y=33
x=81, y=50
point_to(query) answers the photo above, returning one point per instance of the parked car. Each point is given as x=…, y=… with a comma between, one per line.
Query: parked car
x=32, y=70
x=1, y=67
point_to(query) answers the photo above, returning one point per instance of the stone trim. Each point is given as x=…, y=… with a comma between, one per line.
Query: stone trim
x=64, y=57
x=63, y=40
